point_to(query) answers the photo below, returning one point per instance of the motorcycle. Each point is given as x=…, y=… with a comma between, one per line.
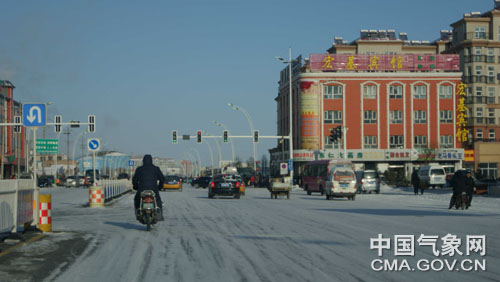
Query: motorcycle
x=148, y=212
x=461, y=201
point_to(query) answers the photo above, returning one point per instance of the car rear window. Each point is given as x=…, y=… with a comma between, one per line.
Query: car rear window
x=370, y=174
x=344, y=173
x=437, y=172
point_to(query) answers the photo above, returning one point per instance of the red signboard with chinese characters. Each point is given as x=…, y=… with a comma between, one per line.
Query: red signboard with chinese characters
x=391, y=62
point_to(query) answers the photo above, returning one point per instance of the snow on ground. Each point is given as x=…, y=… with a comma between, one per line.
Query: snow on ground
x=306, y=238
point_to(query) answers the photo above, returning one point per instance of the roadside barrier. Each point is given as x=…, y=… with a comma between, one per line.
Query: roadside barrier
x=16, y=197
x=45, y=219
x=107, y=190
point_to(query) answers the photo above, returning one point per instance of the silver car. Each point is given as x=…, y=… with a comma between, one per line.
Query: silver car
x=370, y=182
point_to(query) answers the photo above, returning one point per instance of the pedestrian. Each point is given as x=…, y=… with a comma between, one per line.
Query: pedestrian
x=458, y=183
x=415, y=181
x=469, y=187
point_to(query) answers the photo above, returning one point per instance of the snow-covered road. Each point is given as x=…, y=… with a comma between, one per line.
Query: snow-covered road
x=257, y=238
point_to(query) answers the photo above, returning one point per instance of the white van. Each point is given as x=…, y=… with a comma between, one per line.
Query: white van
x=432, y=175
x=341, y=183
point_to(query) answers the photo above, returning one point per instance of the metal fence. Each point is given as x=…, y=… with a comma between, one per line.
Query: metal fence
x=16, y=204
x=115, y=188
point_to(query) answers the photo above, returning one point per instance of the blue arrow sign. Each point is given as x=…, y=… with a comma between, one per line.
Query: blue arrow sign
x=34, y=115
x=131, y=163
x=93, y=144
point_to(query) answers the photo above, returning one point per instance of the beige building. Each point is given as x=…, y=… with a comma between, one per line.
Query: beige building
x=476, y=38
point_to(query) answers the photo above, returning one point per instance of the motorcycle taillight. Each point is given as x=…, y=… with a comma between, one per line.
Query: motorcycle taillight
x=148, y=200
x=212, y=185
x=237, y=185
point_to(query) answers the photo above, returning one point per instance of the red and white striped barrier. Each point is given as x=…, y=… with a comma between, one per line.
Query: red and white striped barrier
x=45, y=219
x=96, y=196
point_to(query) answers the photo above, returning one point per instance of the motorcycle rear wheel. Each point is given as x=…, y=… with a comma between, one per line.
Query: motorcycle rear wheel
x=148, y=222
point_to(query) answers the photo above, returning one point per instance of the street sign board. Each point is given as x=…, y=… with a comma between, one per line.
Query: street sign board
x=34, y=115
x=290, y=164
x=283, y=168
x=94, y=144
x=131, y=163
x=47, y=146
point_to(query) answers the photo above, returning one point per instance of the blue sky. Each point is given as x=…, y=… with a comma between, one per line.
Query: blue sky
x=147, y=68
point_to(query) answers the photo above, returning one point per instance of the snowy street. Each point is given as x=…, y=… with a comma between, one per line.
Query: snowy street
x=306, y=238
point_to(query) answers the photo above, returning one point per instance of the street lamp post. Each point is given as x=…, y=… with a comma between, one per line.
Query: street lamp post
x=230, y=139
x=250, y=123
x=290, y=131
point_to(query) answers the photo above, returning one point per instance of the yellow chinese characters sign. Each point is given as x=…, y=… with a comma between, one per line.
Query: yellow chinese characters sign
x=462, y=132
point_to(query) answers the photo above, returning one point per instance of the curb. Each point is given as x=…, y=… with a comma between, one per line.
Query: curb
x=20, y=244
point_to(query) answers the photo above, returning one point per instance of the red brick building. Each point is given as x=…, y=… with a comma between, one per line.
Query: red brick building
x=396, y=100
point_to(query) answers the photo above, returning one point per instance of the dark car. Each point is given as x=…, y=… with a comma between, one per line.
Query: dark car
x=123, y=175
x=223, y=185
x=44, y=181
x=204, y=181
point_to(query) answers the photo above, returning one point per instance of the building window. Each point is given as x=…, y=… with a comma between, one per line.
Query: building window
x=479, y=70
x=396, y=142
x=491, y=112
x=479, y=112
x=395, y=92
x=333, y=117
x=370, y=142
x=445, y=92
x=479, y=94
x=333, y=92
x=491, y=75
x=491, y=95
x=396, y=117
x=491, y=134
x=419, y=91
x=445, y=117
x=331, y=145
x=489, y=170
x=370, y=91
x=420, y=141
x=446, y=141
x=420, y=117
x=477, y=51
x=479, y=33
x=479, y=133
x=370, y=117
x=491, y=55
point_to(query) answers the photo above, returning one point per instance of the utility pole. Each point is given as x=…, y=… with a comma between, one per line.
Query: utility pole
x=67, y=132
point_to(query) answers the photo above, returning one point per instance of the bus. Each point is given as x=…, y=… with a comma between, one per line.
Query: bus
x=315, y=174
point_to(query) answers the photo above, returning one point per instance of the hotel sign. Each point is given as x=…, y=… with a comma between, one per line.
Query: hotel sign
x=386, y=62
x=381, y=155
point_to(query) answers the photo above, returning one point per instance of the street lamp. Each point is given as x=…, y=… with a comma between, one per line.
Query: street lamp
x=290, y=131
x=230, y=139
x=250, y=123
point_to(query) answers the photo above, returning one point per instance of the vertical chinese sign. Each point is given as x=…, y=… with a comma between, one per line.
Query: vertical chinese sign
x=462, y=132
x=309, y=115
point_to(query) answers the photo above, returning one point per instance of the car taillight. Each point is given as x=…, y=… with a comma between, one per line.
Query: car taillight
x=148, y=200
x=212, y=185
x=237, y=185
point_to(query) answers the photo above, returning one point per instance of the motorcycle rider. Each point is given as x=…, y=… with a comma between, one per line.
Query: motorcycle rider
x=459, y=183
x=148, y=177
x=469, y=187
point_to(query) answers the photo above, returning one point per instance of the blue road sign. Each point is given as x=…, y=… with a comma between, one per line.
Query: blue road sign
x=93, y=144
x=131, y=163
x=290, y=164
x=34, y=115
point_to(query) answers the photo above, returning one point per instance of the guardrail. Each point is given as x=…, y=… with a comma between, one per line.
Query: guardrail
x=16, y=204
x=115, y=188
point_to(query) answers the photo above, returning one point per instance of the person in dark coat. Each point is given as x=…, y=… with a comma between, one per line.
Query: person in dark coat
x=415, y=181
x=469, y=187
x=458, y=182
x=148, y=177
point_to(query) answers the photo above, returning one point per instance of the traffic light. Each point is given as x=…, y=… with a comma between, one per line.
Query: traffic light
x=17, y=128
x=225, y=136
x=256, y=136
x=57, y=121
x=91, y=123
x=339, y=132
x=174, y=136
x=198, y=136
x=333, y=135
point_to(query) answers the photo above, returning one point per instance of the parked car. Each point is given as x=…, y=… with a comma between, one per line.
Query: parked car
x=482, y=185
x=225, y=186
x=341, y=183
x=44, y=181
x=172, y=182
x=369, y=182
x=71, y=181
x=432, y=176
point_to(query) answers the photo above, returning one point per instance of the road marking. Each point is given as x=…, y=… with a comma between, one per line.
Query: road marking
x=11, y=249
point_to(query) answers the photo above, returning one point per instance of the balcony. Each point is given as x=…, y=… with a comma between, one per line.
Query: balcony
x=473, y=121
x=471, y=99
x=475, y=59
x=477, y=35
x=490, y=59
